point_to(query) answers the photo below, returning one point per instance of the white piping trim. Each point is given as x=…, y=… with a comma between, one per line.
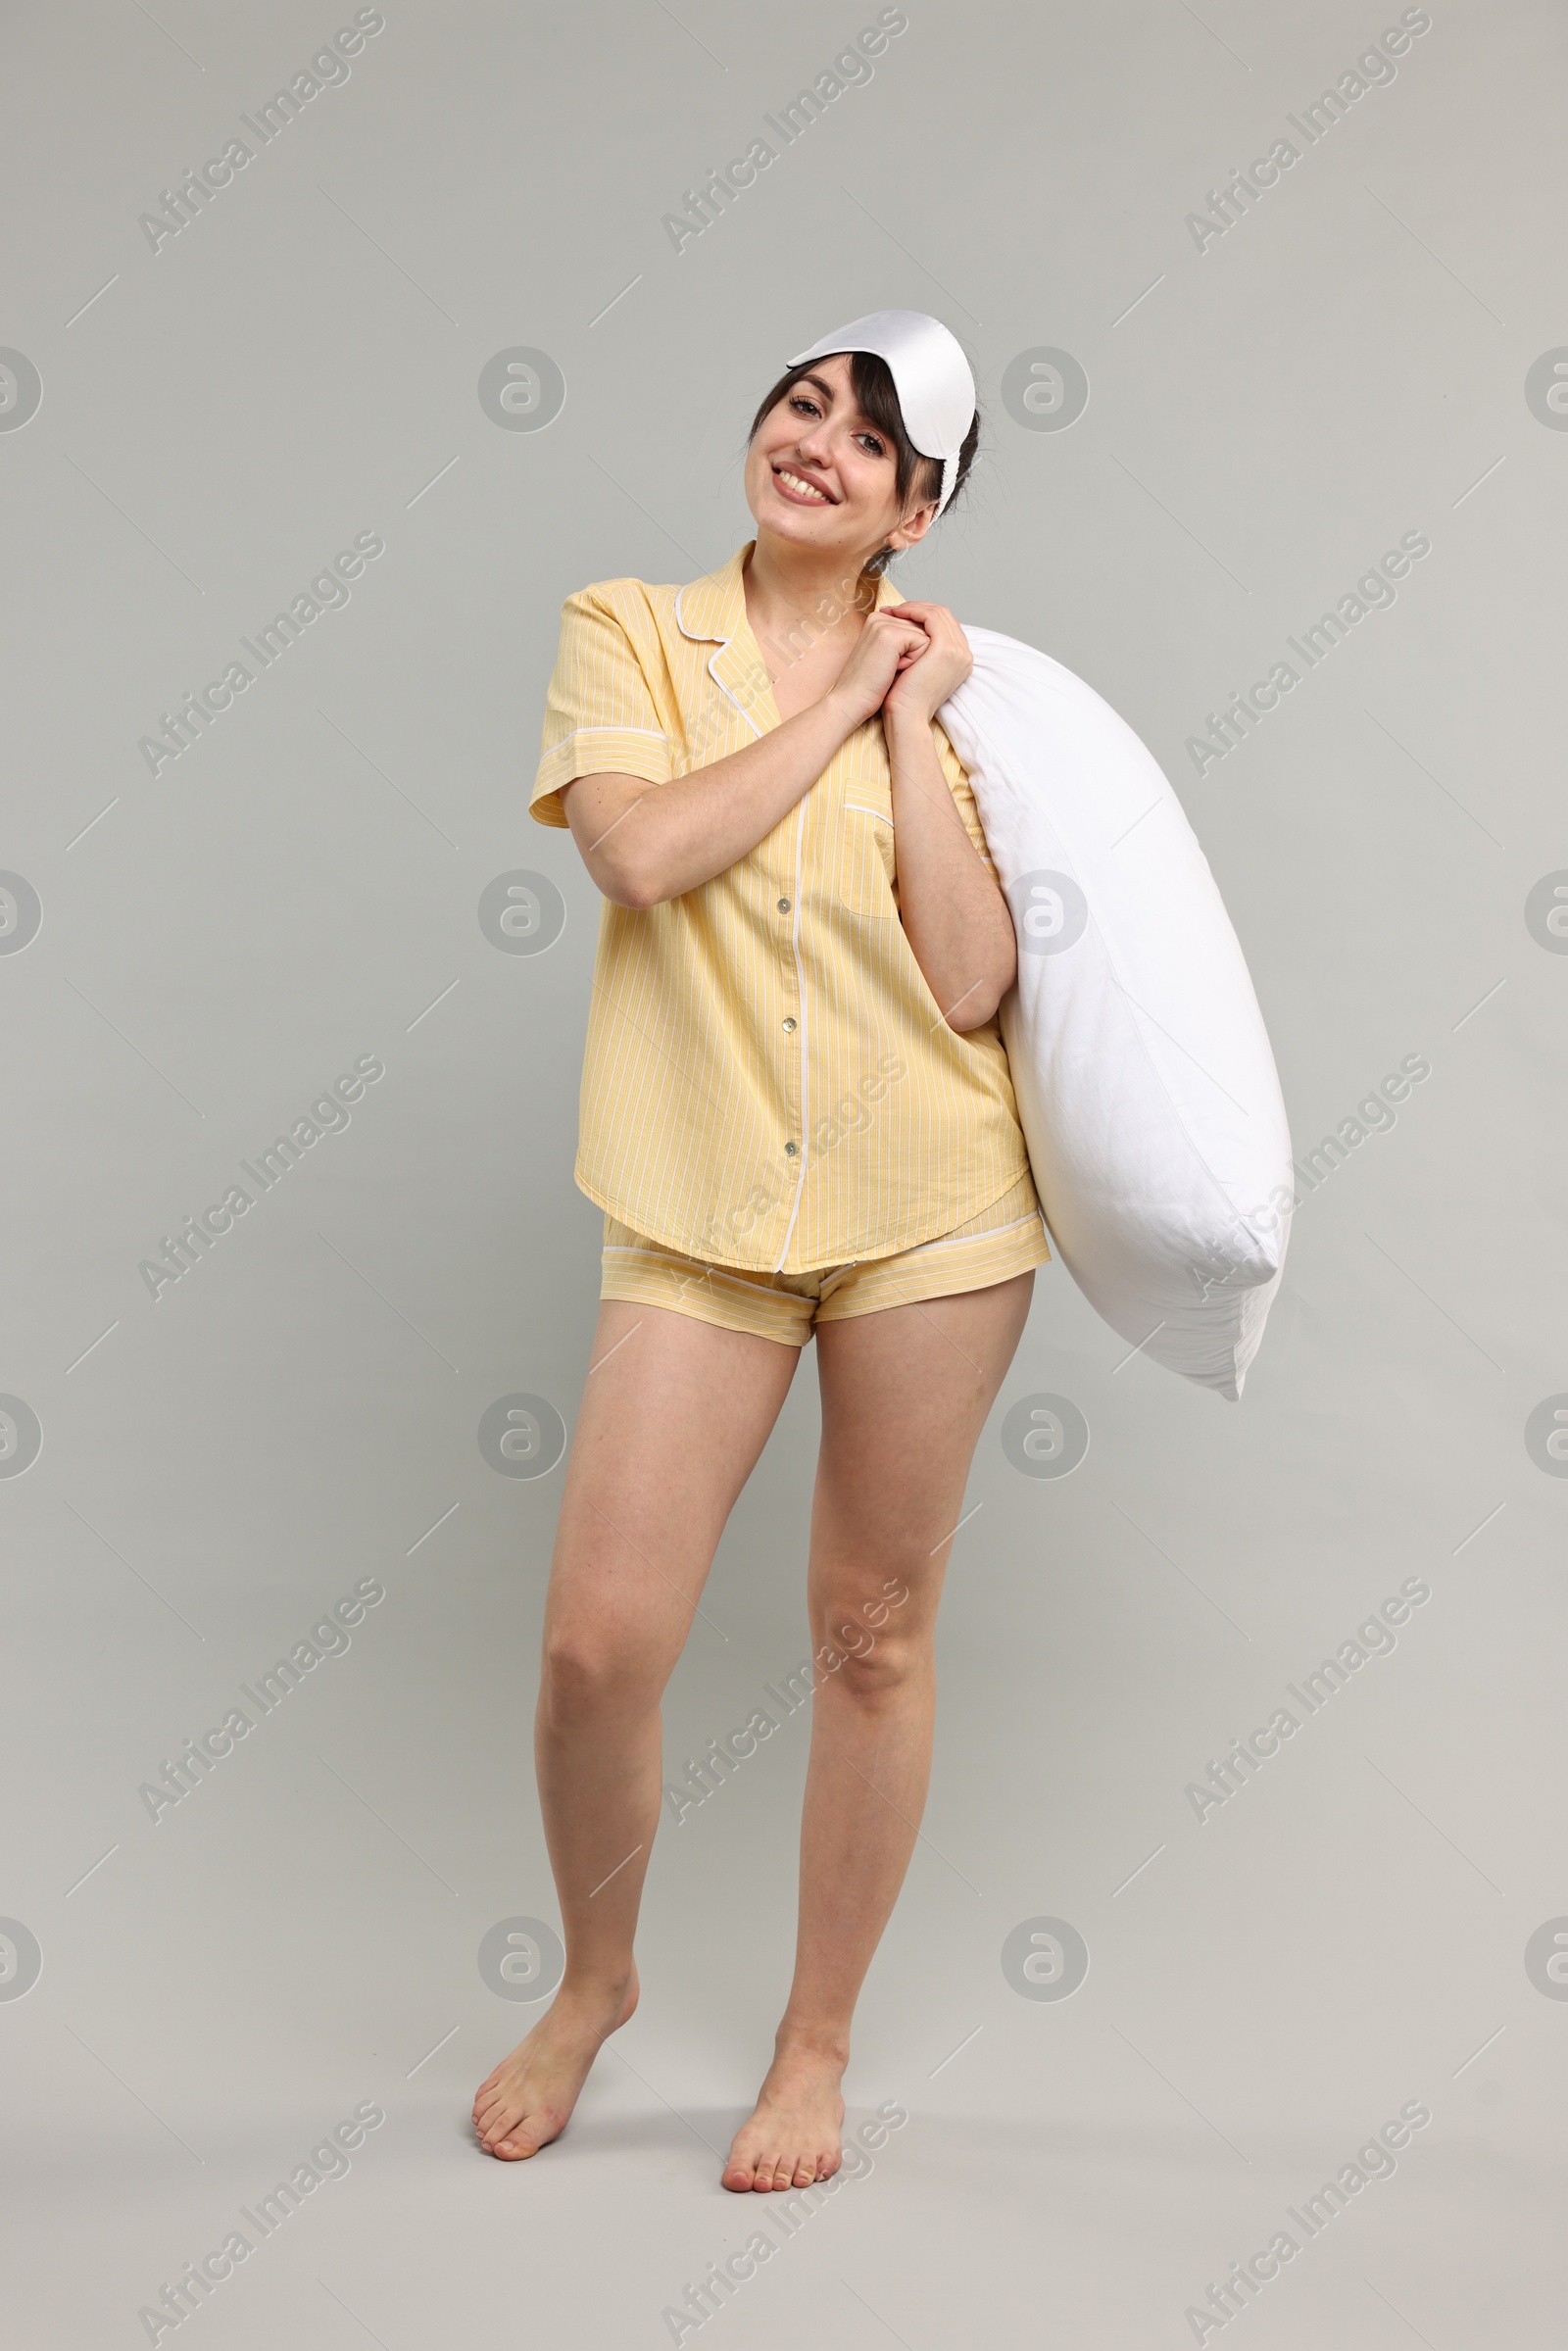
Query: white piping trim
x=969, y=1240
x=834, y=1274
x=861, y=809
x=657, y=1256
x=805, y=1059
x=724, y=690
x=647, y=1248
x=723, y=643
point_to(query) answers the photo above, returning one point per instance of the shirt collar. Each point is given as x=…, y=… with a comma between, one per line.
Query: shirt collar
x=713, y=608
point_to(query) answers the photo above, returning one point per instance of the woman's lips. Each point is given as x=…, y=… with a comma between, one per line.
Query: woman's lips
x=787, y=489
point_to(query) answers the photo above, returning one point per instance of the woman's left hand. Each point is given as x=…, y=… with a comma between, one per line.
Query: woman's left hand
x=929, y=672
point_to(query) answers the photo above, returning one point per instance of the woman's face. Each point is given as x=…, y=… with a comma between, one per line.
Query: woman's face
x=821, y=475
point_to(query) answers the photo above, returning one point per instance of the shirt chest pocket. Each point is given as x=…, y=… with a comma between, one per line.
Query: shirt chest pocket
x=864, y=866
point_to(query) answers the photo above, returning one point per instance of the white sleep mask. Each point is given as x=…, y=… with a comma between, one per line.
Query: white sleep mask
x=930, y=374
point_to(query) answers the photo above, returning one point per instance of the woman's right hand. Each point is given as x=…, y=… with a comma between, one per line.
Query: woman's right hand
x=883, y=650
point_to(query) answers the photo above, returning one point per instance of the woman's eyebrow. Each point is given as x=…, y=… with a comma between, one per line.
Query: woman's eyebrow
x=826, y=390
x=828, y=396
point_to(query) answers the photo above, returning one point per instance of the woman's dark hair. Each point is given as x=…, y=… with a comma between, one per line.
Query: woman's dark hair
x=915, y=477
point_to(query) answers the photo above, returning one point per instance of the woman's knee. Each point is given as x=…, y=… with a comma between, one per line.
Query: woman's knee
x=873, y=1667
x=591, y=1668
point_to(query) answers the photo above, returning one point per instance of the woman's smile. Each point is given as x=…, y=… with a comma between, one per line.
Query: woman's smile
x=801, y=489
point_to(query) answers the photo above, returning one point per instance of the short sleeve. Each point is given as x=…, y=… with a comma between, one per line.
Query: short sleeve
x=600, y=712
x=958, y=776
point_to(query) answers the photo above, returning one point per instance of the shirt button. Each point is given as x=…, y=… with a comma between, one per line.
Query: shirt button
x=783, y=905
x=791, y=1148
x=788, y=1020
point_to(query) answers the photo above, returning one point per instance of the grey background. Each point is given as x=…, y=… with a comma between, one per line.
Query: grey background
x=301, y=363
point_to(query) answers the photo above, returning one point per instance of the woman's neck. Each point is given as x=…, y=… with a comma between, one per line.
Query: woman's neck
x=785, y=585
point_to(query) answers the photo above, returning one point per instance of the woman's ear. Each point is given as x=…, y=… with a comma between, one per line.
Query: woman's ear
x=914, y=528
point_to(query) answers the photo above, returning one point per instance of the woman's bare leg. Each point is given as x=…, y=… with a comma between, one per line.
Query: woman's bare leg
x=905, y=1394
x=676, y=1413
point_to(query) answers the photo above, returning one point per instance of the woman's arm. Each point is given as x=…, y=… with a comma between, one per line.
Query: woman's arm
x=644, y=843
x=954, y=916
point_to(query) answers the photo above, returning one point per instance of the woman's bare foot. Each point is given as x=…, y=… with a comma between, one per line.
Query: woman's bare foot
x=528, y=2099
x=794, y=2135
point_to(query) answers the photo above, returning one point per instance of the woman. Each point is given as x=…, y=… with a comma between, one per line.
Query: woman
x=798, y=1118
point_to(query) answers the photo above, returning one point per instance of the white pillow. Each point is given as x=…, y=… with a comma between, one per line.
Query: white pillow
x=1145, y=1083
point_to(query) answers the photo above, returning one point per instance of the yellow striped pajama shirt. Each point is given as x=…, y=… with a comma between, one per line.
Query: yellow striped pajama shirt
x=768, y=1084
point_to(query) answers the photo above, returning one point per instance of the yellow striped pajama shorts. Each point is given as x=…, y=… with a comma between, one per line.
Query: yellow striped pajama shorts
x=1006, y=1238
